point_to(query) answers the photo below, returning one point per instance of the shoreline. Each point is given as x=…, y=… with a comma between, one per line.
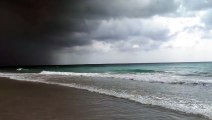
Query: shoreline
x=30, y=100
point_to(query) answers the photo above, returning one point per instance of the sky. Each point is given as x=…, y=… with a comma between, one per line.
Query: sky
x=49, y=32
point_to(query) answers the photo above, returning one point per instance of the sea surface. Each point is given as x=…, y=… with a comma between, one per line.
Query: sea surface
x=181, y=87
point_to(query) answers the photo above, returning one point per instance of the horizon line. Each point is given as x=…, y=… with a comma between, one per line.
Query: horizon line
x=6, y=66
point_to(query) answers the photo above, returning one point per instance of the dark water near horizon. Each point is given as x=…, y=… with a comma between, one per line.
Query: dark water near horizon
x=118, y=68
x=181, y=87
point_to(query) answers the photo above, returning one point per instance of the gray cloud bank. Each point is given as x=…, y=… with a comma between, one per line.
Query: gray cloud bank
x=197, y=4
x=32, y=30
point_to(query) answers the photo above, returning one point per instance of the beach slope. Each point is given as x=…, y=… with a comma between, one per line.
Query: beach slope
x=20, y=100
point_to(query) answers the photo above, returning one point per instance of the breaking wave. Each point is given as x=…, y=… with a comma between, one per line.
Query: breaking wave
x=145, y=77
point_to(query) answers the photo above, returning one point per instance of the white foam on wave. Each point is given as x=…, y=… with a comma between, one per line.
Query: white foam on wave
x=178, y=104
x=21, y=69
x=71, y=73
x=147, y=77
x=23, y=76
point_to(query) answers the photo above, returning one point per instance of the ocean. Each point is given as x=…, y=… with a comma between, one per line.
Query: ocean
x=181, y=87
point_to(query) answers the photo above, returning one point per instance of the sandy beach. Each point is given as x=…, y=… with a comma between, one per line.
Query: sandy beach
x=21, y=100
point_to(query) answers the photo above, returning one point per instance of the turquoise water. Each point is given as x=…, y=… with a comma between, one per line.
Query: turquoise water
x=178, y=68
x=182, y=87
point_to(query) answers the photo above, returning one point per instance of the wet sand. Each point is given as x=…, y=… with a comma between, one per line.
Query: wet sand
x=21, y=100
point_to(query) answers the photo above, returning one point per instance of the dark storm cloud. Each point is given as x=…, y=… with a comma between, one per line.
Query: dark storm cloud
x=31, y=30
x=25, y=29
x=127, y=28
x=120, y=8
